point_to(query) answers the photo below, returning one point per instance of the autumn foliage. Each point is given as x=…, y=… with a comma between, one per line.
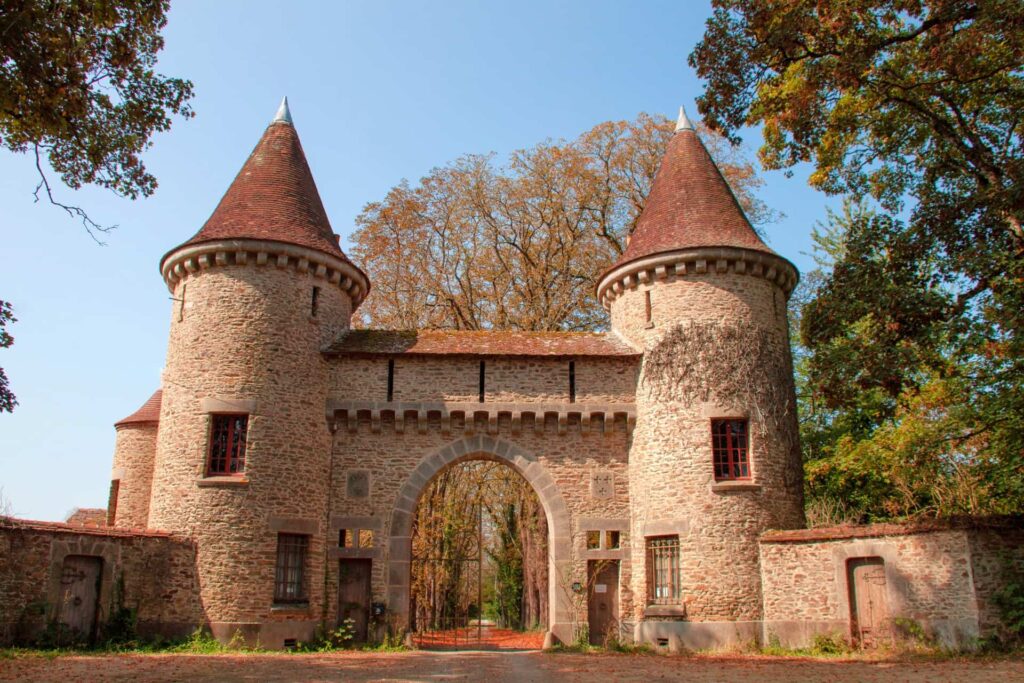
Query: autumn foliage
x=519, y=244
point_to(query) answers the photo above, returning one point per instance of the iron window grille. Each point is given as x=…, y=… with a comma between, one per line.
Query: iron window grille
x=663, y=570
x=729, y=444
x=227, y=444
x=289, y=584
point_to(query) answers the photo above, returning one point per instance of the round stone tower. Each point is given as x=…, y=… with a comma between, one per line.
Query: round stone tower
x=132, y=477
x=243, y=448
x=714, y=459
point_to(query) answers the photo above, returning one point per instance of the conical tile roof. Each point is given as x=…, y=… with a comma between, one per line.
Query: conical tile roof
x=148, y=412
x=273, y=197
x=690, y=204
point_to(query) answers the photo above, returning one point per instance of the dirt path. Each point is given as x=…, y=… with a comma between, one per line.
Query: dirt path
x=496, y=667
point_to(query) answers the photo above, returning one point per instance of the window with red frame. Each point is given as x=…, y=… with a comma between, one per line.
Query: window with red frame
x=729, y=443
x=227, y=444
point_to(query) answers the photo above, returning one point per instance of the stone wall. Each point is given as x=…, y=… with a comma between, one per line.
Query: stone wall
x=581, y=478
x=157, y=573
x=134, y=453
x=507, y=380
x=716, y=346
x=997, y=557
x=940, y=575
x=246, y=341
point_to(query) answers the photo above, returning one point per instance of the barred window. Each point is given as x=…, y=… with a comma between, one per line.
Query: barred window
x=729, y=447
x=663, y=570
x=289, y=584
x=227, y=444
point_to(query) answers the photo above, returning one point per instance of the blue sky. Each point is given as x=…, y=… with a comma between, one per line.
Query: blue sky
x=380, y=91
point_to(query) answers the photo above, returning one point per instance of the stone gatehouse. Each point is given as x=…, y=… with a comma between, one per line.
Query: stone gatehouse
x=285, y=452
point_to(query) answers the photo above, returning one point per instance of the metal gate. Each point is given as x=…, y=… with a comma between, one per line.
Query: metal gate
x=451, y=619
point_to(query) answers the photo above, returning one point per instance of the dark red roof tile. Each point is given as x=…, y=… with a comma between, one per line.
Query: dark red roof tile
x=62, y=527
x=690, y=206
x=273, y=197
x=148, y=412
x=479, y=343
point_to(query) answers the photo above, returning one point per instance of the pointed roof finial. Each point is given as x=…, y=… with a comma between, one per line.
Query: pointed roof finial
x=284, y=114
x=684, y=122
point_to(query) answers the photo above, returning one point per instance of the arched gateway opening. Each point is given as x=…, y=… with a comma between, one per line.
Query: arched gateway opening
x=442, y=529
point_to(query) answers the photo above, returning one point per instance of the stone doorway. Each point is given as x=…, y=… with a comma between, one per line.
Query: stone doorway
x=479, y=560
x=488, y=449
x=79, y=597
x=602, y=600
x=354, y=597
x=869, y=603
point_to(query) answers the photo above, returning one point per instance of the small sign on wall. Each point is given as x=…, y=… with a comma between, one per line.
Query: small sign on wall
x=601, y=588
x=602, y=484
x=357, y=484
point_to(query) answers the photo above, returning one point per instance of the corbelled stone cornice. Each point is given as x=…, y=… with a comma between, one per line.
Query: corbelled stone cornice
x=701, y=261
x=189, y=259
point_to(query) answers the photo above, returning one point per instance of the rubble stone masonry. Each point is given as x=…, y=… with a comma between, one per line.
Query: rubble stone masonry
x=134, y=452
x=246, y=342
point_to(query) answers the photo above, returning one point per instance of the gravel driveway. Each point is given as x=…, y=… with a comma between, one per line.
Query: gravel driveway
x=497, y=667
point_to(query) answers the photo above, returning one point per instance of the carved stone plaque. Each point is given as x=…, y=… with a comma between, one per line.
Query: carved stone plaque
x=358, y=484
x=602, y=484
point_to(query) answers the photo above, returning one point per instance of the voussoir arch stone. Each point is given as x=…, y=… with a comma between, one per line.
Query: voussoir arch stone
x=480, y=448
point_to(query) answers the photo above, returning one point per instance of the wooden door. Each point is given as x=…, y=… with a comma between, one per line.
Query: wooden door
x=869, y=607
x=354, y=596
x=602, y=599
x=80, y=595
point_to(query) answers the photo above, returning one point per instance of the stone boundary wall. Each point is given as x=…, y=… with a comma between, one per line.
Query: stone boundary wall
x=156, y=571
x=997, y=555
x=941, y=575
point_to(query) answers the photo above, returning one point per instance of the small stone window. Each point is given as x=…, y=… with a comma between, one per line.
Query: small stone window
x=593, y=540
x=227, y=445
x=572, y=381
x=289, y=581
x=663, y=570
x=611, y=540
x=729, y=447
x=355, y=538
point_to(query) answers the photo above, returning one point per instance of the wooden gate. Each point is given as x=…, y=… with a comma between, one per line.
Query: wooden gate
x=80, y=596
x=602, y=599
x=869, y=607
x=354, y=596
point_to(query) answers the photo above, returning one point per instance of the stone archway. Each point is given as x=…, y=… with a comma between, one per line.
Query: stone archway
x=482, y=448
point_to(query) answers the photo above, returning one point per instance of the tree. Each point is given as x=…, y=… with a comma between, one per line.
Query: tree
x=479, y=511
x=915, y=334
x=78, y=91
x=7, y=399
x=481, y=245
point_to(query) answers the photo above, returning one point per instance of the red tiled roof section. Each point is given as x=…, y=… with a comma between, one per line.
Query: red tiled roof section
x=847, y=531
x=63, y=527
x=273, y=197
x=479, y=343
x=690, y=205
x=149, y=412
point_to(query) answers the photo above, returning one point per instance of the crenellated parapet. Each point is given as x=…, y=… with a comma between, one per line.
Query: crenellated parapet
x=491, y=418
